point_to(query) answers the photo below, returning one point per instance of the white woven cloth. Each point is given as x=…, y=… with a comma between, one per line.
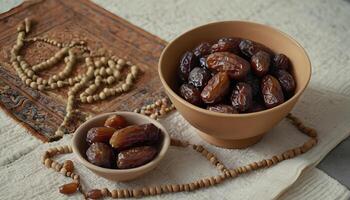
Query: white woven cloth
x=320, y=26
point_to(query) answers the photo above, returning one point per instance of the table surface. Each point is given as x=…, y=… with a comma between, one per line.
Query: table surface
x=322, y=27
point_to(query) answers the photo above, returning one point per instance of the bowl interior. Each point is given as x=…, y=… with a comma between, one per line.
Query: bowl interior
x=80, y=146
x=276, y=40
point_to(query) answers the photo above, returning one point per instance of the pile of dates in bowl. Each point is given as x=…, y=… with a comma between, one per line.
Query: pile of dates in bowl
x=235, y=75
x=119, y=145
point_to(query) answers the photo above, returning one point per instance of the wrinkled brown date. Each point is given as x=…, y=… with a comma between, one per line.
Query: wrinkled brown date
x=254, y=82
x=217, y=87
x=287, y=82
x=242, y=97
x=281, y=61
x=116, y=121
x=257, y=106
x=226, y=44
x=249, y=48
x=191, y=94
x=199, y=77
x=100, y=154
x=236, y=67
x=135, y=157
x=203, y=62
x=260, y=63
x=202, y=49
x=135, y=135
x=99, y=134
x=222, y=108
x=94, y=194
x=69, y=188
x=271, y=91
x=187, y=63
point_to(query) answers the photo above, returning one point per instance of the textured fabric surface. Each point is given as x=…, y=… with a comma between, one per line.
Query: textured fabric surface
x=315, y=184
x=24, y=177
x=320, y=26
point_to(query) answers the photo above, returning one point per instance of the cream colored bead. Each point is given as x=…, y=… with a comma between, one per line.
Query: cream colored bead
x=89, y=91
x=90, y=74
x=89, y=99
x=119, y=67
x=28, y=81
x=53, y=85
x=121, y=62
x=109, y=71
x=116, y=74
x=126, y=87
x=102, y=95
x=103, y=60
x=39, y=80
x=30, y=73
x=112, y=92
x=134, y=71
x=41, y=87
x=103, y=71
x=93, y=87
x=107, y=92
x=110, y=79
x=33, y=85
x=98, y=63
x=111, y=63
x=88, y=61
x=59, y=84
x=96, y=97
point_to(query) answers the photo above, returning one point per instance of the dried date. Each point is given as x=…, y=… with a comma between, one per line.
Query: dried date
x=187, y=63
x=202, y=49
x=257, y=106
x=69, y=188
x=260, y=63
x=271, y=91
x=145, y=134
x=99, y=134
x=242, y=97
x=281, y=61
x=226, y=44
x=94, y=194
x=199, y=77
x=191, y=94
x=249, y=48
x=116, y=121
x=135, y=157
x=236, y=67
x=287, y=82
x=217, y=87
x=254, y=82
x=222, y=108
x=203, y=62
x=100, y=154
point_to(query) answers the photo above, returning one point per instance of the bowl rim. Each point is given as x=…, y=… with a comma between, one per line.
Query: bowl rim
x=202, y=110
x=160, y=155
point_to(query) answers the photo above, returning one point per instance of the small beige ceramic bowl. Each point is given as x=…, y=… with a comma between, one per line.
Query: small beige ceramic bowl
x=233, y=130
x=80, y=146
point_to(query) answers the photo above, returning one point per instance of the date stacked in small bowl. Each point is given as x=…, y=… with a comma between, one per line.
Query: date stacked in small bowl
x=234, y=81
x=234, y=75
x=120, y=146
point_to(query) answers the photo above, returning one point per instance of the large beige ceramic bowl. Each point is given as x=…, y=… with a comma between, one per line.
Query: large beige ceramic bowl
x=233, y=130
x=80, y=146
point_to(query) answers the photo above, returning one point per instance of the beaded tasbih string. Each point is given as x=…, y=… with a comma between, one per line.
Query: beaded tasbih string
x=225, y=173
x=102, y=78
